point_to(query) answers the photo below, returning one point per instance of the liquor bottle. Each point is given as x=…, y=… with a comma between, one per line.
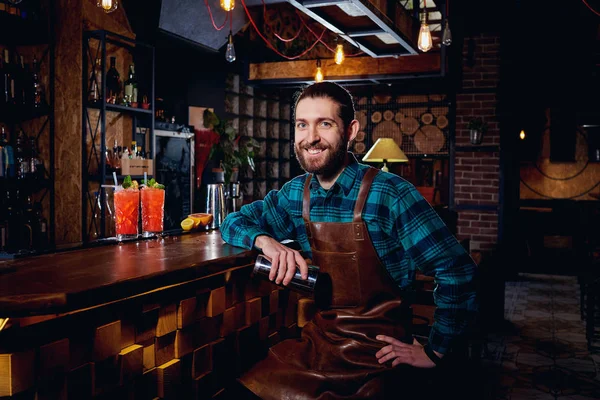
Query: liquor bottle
x=113, y=82
x=139, y=154
x=2, y=82
x=95, y=83
x=41, y=241
x=116, y=159
x=130, y=87
x=22, y=161
x=133, y=149
x=24, y=83
x=36, y=166
x=38, y=88
x=29, y=225
x=8, y=155
x=13, y=219
x=8, y=80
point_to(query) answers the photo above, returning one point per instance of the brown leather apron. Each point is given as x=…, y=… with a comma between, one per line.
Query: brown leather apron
x=335, y=356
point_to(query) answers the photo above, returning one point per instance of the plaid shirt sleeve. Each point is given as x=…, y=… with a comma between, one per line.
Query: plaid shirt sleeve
x=263, y=217
x=436, y=252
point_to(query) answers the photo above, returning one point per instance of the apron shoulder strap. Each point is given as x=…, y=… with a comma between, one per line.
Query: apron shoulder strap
x=306, y=199
x=363, y=192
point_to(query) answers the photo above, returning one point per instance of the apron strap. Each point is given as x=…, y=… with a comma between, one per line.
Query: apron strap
x=363, y=192
x=306, y=205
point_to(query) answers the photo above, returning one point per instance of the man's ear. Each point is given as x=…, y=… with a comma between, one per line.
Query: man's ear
x=352, y=130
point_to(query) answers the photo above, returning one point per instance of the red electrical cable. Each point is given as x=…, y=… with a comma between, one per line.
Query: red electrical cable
x=274, y=33
x=213, y=20
x=273, y=47
x=324, y=44
x=588, y=6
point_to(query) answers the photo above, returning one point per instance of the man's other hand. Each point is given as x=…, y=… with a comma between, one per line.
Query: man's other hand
x=283, y=260
x=403, y=353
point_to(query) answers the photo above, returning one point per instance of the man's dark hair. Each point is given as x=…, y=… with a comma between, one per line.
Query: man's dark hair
x=333, y=91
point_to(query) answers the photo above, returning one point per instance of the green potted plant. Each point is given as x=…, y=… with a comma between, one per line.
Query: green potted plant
x=477, y=128
x=232, y=151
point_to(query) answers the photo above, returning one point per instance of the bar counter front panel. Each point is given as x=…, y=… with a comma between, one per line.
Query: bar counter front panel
x=179, y=317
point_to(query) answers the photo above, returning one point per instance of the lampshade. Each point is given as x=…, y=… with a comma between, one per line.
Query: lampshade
x=385, y=150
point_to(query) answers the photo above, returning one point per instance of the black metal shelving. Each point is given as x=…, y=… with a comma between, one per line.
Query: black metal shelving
x=33, y=26
x=95, y=45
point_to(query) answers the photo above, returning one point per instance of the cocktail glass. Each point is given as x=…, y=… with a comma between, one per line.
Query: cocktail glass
x=127, y=210
x=153, y=211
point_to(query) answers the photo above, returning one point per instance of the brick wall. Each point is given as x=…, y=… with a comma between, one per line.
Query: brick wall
x=477, y=173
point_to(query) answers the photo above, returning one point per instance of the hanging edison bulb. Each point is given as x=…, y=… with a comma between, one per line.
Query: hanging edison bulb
x=522, y=134
x=447, y=35
x=339, y=54
x=230, y=52
x=425, y=43
x=227, y=5
x=108, y=6
x=319, y=75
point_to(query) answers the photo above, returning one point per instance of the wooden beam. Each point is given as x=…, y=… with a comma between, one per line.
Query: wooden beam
x=356, y=68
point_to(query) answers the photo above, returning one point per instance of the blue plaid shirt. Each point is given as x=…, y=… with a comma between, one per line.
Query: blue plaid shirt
x=406, y=232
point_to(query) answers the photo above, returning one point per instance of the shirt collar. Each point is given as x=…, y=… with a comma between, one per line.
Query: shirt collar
x=346, y=179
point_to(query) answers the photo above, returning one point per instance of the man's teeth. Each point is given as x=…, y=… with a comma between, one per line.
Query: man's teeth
x=314, y=151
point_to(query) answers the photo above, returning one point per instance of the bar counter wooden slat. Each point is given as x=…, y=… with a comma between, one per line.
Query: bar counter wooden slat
x=77, y=279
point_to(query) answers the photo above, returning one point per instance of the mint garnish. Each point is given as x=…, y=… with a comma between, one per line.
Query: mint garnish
x=127, y=182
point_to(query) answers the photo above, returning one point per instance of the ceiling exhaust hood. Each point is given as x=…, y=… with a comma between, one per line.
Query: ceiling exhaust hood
x=363, y=23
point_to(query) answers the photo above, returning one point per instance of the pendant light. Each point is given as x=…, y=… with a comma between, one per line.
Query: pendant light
x=319, y=75
x=230, y=52
x=447, y=35
x=108, y=6
x=522, y=134
x=227, y=5
x=424, y=42
x=339, y=54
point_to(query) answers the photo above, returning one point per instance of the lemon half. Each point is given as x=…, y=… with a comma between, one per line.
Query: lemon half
x=187, y=224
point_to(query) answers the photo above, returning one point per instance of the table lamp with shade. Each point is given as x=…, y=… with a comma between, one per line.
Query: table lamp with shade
x=385, y=150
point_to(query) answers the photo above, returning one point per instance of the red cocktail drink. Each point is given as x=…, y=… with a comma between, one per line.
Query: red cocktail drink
x=153, y=210
x=127, y=206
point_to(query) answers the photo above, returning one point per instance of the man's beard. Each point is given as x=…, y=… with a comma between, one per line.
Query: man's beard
x=330, y=166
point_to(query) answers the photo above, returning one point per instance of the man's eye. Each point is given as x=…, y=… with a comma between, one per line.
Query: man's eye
x=300, y=125
x=326, y=124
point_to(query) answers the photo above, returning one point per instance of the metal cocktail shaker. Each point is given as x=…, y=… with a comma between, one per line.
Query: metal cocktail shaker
x=215, y=204
x=262, y=267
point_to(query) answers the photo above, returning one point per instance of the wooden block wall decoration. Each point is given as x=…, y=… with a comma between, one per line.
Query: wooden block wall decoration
x=274, y=301
x=263, y=328
x=240, y=315
x=51, y=390
x=253, y=310
x=249, y=348
x=251, y=289
x=204, y=385
x=127, y=332
x=224, y=357
x=169, y=379
x=80, y=382
x=53, y=360
x=273, y=339
x=164, y=348
x=131, y=363
x=185, y=340
x=306, y=311
x=81, y=343
x=229, y=322
x=167, y=320
x=202, y=360
x=16, y=372
x=216, y=302
x=186, y=312
x=145, y=327
x=148, y=355
x=147, y=387
x=220, y=395
x=107, y=341
x=106, y=375
x=210, y=329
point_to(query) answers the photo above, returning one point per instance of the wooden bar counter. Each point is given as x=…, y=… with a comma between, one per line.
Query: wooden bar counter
x=177, y=317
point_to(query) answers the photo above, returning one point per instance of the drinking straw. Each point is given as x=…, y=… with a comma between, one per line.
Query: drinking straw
x=115, y=179
x=146, y=178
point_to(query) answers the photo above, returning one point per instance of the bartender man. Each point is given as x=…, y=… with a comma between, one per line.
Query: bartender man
x=369, y=232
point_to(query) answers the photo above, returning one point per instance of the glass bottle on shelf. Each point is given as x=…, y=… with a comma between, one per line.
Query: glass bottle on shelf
x=130, y=97
x=2, y=81
x=41, y=241
x=113, y=82
x=8, y=78
x=38, y=88
x=8, y=155
x=95, y=82
x=29, y=227
x=13, y=221
x=24, y=82
x=36, y=166
x=22, y=161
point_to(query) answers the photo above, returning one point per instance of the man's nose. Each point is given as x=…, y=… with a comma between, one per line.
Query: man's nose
x=313, y=135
